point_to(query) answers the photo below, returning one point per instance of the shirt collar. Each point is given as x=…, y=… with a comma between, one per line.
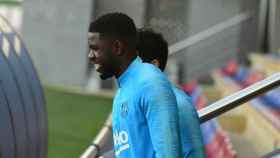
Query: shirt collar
x=124, y=77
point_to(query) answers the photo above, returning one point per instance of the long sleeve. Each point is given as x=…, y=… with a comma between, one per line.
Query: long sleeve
x=190, y=128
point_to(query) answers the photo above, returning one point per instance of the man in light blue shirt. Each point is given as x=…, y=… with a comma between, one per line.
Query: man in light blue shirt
x=145, y=115
x=153, y=48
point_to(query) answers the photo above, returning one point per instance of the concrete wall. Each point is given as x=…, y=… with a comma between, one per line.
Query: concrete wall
x=136, y=9
x=182, y=19
x=274, y=25
x=55, y=32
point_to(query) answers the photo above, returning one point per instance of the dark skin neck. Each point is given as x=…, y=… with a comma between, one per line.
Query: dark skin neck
x=125, y=61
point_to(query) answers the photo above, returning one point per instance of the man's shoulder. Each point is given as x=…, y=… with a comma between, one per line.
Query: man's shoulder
x=151, y=74
x=179, y=92
x=181, y=96
x=148, y=78
x=150, y=69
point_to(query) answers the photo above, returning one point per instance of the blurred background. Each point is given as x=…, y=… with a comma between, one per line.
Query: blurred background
x=210, y=43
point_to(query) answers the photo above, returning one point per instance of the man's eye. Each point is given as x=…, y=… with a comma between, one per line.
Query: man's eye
x=93, y=48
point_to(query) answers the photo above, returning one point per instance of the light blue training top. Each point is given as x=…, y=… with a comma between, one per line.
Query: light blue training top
x=191, y=136
x=145, y=114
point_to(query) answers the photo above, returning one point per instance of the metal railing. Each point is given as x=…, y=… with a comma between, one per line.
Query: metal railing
x=99, y=142
x=205, y=114
x=223, y=105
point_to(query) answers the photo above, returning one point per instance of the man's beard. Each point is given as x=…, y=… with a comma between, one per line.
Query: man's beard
x=105, y=76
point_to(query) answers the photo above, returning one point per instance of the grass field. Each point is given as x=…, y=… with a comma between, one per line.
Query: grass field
x=74, y=120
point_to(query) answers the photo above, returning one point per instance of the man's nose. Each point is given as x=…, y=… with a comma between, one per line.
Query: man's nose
x=91, y=55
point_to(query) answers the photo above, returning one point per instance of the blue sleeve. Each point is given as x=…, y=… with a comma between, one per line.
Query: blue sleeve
x=160, y=109
x=191, y=125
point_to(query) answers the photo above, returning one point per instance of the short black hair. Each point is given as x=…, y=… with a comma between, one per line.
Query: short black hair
x=151, y=45
x=116, y=25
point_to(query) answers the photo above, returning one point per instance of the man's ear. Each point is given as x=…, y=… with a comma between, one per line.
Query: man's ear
x=118, y=47
x=155, y=62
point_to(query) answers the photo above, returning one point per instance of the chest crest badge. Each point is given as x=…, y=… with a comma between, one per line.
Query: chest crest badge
x=124, y=109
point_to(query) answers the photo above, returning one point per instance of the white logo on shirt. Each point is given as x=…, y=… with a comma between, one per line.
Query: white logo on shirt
x=121, y=140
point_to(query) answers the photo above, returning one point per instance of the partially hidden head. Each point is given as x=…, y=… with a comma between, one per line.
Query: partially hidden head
x=152, y=47
x=112, y=41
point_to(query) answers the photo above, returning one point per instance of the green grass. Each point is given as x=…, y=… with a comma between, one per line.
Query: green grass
x=74, y=120
x=10, y=2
